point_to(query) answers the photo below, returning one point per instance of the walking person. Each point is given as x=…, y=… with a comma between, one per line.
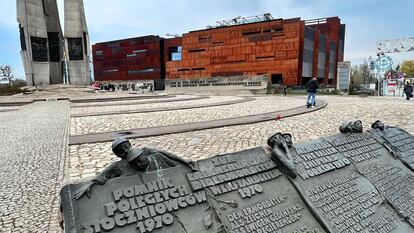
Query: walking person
x=408, y=90
x=311, y=88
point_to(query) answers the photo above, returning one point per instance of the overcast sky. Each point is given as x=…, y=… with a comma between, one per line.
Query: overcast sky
x=367, y=21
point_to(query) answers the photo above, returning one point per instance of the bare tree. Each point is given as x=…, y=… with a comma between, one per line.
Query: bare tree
x=7, y=72
x=356, y=75
x=361, y=74
x=366, y=72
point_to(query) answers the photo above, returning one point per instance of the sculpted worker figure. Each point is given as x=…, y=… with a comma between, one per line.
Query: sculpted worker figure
x=132, y=160
x=281, y=145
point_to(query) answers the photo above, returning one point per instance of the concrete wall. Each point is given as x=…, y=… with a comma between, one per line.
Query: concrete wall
x=78, y=72
x=53, y=26
x=41, y=74
x=37, y=18
x=31, y=18
x=75, y=27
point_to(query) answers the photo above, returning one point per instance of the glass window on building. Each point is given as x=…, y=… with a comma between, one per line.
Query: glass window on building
x=332, y=58
x=308, y=45
x=140, y=51
x=322, y=56
x=175, y=53
x=176, y=57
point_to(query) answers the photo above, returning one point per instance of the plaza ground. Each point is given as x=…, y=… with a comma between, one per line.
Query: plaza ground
x=36, y=158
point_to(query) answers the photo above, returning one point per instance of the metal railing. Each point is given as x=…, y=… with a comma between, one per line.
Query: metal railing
x=244, y=20
x=315, y=21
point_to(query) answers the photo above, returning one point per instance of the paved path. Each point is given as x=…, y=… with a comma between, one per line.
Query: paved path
x=163, y=109
x=32, y=158
x=87, y=159
x=82, y=97
x=110, y=123
x=141, y=105
x=118, y=98
x=193, y=126
x=136, y=102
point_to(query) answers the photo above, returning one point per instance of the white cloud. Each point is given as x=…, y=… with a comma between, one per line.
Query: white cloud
x=110, y=20
x=135, y=18
x=367, y=21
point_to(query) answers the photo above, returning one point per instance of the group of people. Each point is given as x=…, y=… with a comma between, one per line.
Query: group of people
x=98, y=86
x=313, y=85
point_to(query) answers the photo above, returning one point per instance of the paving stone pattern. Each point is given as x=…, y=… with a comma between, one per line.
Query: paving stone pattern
x=87, y=159
x=34, y=157
x=131, y=101
x=33, y=152
x=97, y=124
x=138, y=106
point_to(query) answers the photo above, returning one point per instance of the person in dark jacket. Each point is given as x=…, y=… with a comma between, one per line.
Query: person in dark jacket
x=284, y=90
x=408, y=90
x=311, y=88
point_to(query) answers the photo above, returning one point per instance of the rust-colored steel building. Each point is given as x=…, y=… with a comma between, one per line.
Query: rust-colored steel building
x=129, y=59
x=290, y=51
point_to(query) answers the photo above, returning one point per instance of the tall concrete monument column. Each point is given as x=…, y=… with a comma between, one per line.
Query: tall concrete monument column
x=55, y=41
x=40, y=38
x=77, y=42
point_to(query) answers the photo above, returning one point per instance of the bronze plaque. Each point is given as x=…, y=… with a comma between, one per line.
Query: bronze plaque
x=351, y=182
x=239, y=192
x=252, y=195
x=141, y=203
x=333, y=182
x=400, y=141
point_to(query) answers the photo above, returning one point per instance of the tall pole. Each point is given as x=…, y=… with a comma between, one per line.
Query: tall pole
x=66, y=68
x=379, y=82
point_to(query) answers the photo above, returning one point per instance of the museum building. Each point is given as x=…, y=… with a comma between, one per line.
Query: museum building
x=288, y=51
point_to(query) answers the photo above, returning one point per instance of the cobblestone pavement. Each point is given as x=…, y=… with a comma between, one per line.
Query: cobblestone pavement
x=87, y=159
x=96, y=124
x=32, y=156
x=212, y=99
x=131, y=101
x=35, y=158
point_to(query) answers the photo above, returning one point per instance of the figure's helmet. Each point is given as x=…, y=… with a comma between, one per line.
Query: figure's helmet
x=118, y=142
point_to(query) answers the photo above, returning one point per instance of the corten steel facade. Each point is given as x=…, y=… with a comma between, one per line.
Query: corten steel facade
x=329, y=41
x=290, y=51
x=130, y=59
